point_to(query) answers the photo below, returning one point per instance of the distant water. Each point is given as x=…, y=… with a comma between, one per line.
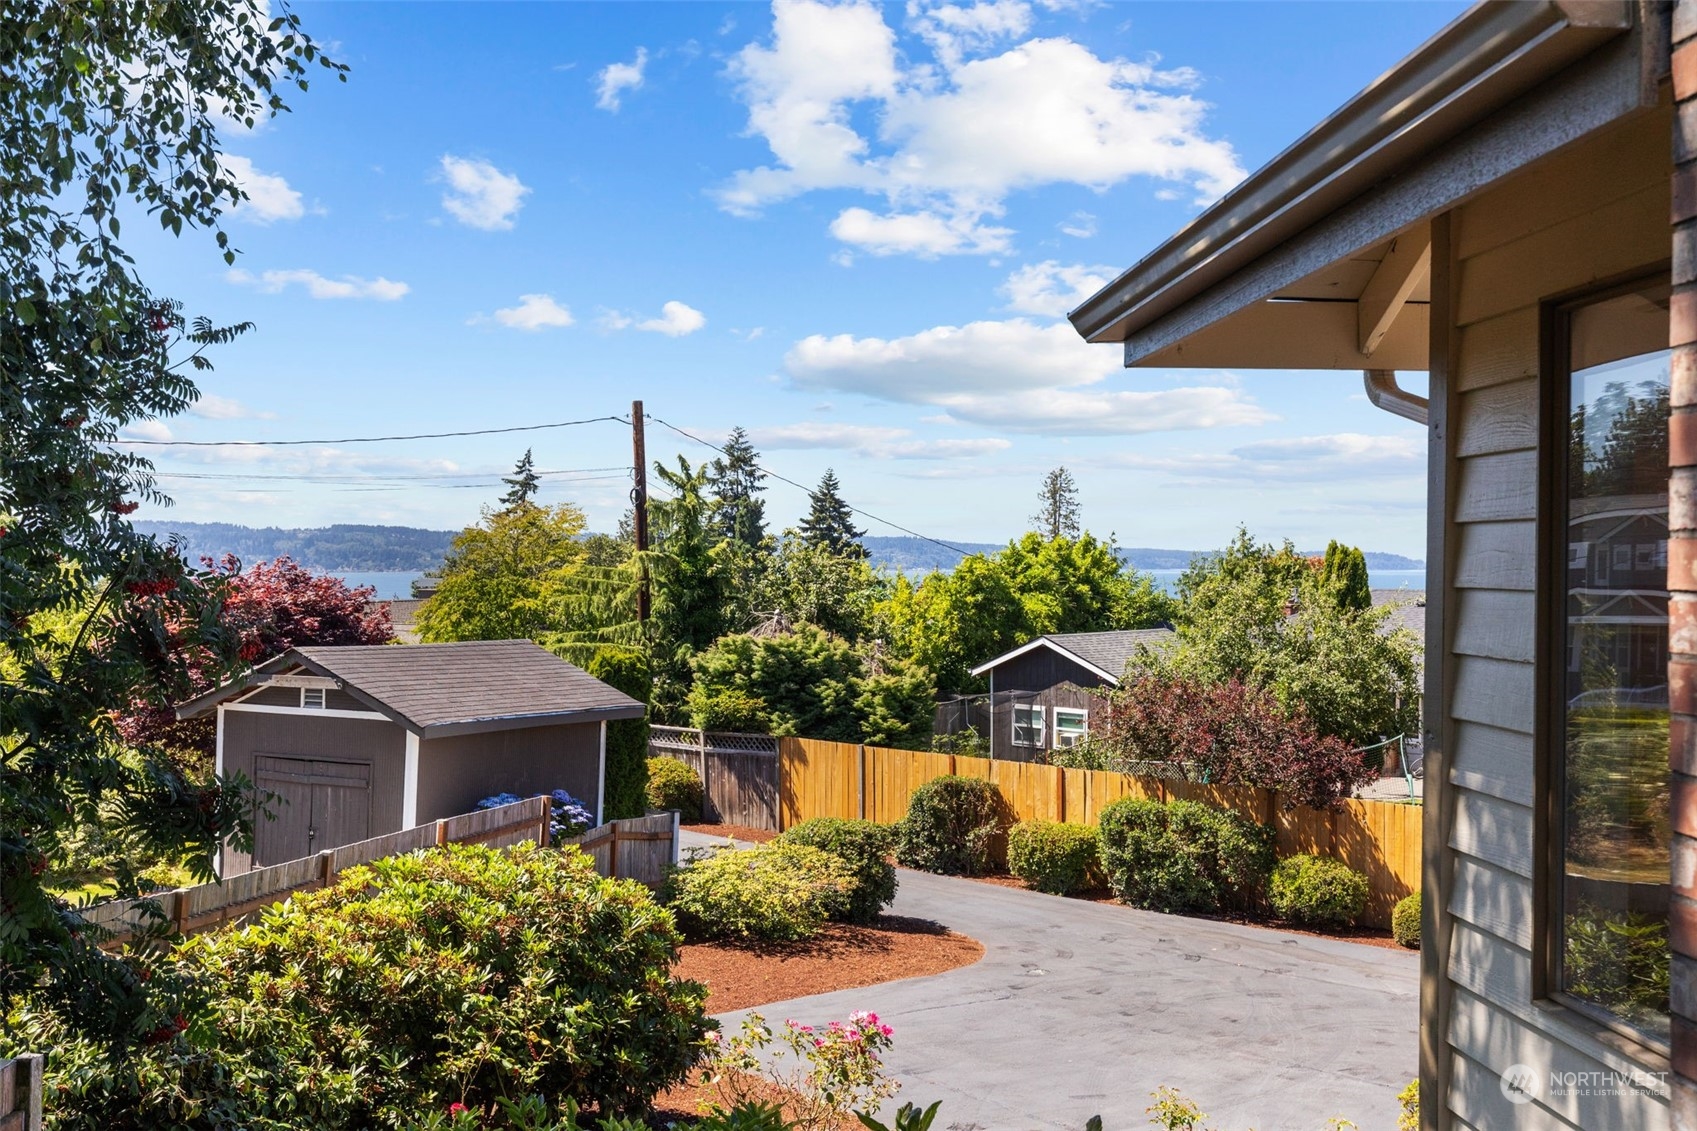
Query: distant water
x=1413, y=579
x=391, y=585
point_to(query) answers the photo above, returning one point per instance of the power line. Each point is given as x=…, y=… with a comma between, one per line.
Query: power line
x=577, y=474
x=809, y=490
x=366, y=439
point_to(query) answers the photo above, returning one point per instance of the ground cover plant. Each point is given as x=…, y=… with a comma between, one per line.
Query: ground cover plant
x=463, y=975
x=865, y=847
x=1318, y=891
x=1183, y=856
x=1053, y=857
x=951, y=826
x=673, y=785
x=769, y=893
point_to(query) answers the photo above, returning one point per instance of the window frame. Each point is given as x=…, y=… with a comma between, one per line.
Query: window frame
x=1039, y=721
x=323, y=699
x=1552, y=654
x=1083, y=729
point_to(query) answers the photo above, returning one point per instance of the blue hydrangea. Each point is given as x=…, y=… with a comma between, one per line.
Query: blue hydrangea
x=569, y=815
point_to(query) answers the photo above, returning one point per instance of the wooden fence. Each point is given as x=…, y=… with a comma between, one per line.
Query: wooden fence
x=21, y=1093
x=739, y=772
x=205, y=906
x=841, y=779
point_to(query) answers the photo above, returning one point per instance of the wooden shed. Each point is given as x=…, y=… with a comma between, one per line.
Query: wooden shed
x=356, y=742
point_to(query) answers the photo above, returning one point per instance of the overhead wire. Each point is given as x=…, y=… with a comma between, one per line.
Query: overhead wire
x=370, y=439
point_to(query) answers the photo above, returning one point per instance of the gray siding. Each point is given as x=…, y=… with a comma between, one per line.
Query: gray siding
x=454, y=774
x=1051, y=680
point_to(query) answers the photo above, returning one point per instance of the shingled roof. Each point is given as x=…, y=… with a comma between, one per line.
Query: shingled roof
x=437, y=690
x=1106, y=653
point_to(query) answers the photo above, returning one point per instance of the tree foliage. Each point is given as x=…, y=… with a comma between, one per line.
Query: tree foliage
x=522, y=483
x=626, y=785
x=797, y=583
x=1057, y=511
x=829, y=522
x=110, y=108
x=1344, y=574
x=735, y=483
x=689, y=580
x=512, y=576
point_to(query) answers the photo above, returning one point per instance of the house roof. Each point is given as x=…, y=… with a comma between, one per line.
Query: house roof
x=437, y=690
x=1104, y=653
x=1408, y=610
x=1321, y=259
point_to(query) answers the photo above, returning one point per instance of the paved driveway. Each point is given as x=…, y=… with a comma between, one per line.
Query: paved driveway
x=1084, y=1008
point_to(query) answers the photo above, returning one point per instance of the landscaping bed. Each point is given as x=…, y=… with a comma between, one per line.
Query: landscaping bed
x=842, y=956
x=735, y=832
x=684, y=1103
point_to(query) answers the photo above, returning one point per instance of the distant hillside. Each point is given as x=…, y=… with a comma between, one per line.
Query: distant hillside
x=329, y=548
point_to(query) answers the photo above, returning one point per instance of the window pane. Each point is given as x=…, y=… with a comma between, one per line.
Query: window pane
x=1614, y=898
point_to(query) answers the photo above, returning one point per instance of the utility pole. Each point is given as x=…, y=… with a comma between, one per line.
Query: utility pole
x=639, y=506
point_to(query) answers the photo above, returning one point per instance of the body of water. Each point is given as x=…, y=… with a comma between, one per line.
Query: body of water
x=391, y=585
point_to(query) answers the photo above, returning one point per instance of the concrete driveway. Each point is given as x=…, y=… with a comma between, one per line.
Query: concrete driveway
x=1082, y=1008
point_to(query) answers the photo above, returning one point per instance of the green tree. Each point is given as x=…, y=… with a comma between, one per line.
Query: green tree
x=512, y=576
x=798, y=583
x=627, y=739
x=830, y=520
x=1057, y=512
x=735, y=484
x=109, y=109
x=1345, y=576
x=689, y=581
x=521, y=484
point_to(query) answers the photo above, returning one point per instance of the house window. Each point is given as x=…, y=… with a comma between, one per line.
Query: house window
x=312, y=698
x=1027, y=725
x=1609, y=906
x=1070, y=726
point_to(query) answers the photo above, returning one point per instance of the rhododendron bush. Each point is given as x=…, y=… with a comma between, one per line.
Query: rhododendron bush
x=832, y=1069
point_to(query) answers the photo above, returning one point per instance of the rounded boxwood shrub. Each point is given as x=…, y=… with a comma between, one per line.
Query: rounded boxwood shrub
x=1052, y=857
x=771, y=893
x=1318, y=891
x=951, y=826
x=1405, y=921
x=865, y=847
x=1182, y=855
x=673, y=785
x=459, y=975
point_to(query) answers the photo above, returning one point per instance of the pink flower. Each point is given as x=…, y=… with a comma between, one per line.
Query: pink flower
x=854, y=1034
x=885, y=1030
x=713, y=1038
x=818, y=1044
x=456, y=1109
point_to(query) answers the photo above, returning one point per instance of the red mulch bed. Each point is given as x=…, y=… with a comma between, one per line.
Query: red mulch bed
x=683, y=1103
x=1367, y=936
x=843, y=956
x=735, y=832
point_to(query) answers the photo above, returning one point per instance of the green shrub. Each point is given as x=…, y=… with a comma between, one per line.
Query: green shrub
x=772, y=892
x=1318, y=891
x=673, y=785
x=1052, y=857
x=1405, y=921
x=463, y=974
x=627, y=739
x=1182, y=855
x=951, y=826
x=865, y=847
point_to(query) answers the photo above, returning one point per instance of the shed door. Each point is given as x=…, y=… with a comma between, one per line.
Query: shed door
x=318, y=805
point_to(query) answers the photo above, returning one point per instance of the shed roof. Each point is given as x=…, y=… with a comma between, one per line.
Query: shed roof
x=1105, y=653
x=436, y=690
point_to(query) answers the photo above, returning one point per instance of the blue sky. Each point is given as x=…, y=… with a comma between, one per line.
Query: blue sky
x=851, y=229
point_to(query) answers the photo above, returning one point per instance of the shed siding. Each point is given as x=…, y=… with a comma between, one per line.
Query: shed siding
x=1051, y=680
x=1598, y=209
x=455, y=773
x=382, y=744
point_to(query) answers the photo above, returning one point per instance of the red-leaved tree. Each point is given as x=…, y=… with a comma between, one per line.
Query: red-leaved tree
x=1233, y=732
x=269, y=607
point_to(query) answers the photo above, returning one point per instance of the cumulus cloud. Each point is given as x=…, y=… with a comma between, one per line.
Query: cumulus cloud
x=676, y=320
x=318, y=286
x=954, y=137
x=616, y=78
x=1015, y=376
x=269, y=197
x=156, y=430
x=1051, y=288
x=480, y=195
x=535, y=312
x=872, y=441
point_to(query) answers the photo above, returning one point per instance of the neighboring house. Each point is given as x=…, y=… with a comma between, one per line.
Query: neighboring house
x=403, y=617
x=1042, y=693
x=1496, y=210
x=360, y=741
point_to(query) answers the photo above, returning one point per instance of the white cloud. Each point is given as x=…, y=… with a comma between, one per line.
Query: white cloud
x=1051, y=288
x=1014, y=376
x=211, y=406
x=872, y=441
x=1080, y=225
x=480, y=195
x=1339, y=457
x=146, y=430
x=269, y=196
x=616, y=78
x=318, y=286
x=676, y=320
x=534, y=312
x=955, y=137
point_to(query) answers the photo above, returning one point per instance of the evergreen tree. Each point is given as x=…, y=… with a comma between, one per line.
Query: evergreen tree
x=736, y=482
x=521, y=484
x=1057, y=513
x=1345, y=575
x=830, y=520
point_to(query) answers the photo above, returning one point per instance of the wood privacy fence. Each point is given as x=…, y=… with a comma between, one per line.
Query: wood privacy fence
x=841, y=779
x=739, y=772
x=206, y=906
x=21, y=1093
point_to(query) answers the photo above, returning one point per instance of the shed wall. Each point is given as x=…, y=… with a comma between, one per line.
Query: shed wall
x=1594, y=211
x=1052, y=681
x=455, y=773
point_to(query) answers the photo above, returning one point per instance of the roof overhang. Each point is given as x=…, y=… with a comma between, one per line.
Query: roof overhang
x=1321, y=260
x=1045, y=642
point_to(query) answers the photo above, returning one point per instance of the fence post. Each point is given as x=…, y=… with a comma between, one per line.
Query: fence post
x=1060, y=793
x=709, y=811
x=547, y=819
x=325, y=871
x=862, y=786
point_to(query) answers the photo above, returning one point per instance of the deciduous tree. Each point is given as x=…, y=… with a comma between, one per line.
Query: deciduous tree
x=510, y=577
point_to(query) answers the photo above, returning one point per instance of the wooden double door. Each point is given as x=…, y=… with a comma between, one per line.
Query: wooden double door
x=317, y=804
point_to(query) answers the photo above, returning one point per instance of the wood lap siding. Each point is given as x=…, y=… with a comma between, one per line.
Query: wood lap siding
x=1597, y=209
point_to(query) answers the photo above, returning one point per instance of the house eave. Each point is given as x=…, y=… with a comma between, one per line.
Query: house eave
x=522, y=722
x=1044, y=642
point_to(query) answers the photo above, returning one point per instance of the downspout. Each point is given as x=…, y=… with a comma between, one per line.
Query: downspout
x=1383, y=392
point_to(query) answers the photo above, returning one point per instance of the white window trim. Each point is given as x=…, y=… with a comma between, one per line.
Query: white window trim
x=1081, y=729
x=1037, y=721
x=323, y=699
x=325, y=713
x=409, y=784
x=601, y=781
